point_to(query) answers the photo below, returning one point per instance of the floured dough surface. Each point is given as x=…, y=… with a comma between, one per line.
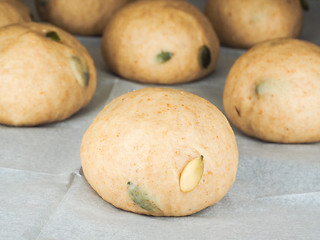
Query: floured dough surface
x=140, y=150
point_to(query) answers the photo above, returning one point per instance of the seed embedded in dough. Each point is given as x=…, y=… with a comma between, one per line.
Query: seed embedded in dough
x=53, y=36
x=141, y=198
x=266, y=86
x=305, y=5
x=273, y=86
x=205, y=56
x=262, y=87
x=43, y=3
x=164, y=56
x=191, y=174
x=32, y=17
x=81, y=70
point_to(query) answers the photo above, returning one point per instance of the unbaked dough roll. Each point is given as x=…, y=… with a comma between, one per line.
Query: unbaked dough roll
x=161, y=41
x=46, y=75
x=273, y=92
x=160, y=152
x=83, y=17
x=244, y=23
x=12, y=12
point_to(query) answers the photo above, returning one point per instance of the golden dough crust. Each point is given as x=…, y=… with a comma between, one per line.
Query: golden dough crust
x=140, y=31
x=38, y=82
x=147, y=137
x=273, y=92
x=248, y=22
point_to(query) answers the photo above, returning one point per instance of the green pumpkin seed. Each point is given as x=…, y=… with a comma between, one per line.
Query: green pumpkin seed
x=81, y=70
x=163, y=57
x=305, y=5
x=141, y=198
x=265, y=86
x=272, y=86
x=54, y=36
x=32, y=17
x=43, y=3
x=205, y=56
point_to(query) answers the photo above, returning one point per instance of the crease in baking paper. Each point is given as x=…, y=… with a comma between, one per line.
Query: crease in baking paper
x=288, y=195
x=47, y=220
x=40, y=173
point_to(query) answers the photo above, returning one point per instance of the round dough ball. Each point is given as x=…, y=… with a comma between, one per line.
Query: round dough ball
x=160, y=42
x=144, y=147
x=82, y=17
x=46, y=75
x=12, y=12
x=247, y=22
x=273, y=92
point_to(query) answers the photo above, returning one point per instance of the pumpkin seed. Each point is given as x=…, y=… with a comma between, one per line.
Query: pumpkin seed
x=164, y=56
x=305, y=5
x=32, y=17
x=191, y=174
x=141, y=198
x=43, y=3
x=53, y=36
x=205, y=56
x=271, y=87
x=81, y=70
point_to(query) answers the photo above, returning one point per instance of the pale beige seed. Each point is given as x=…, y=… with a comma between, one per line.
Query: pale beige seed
x=272, y=86
x=80, y=69
x=191, y=174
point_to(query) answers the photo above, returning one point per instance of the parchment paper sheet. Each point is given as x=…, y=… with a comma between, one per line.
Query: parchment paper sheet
x=43, y=194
